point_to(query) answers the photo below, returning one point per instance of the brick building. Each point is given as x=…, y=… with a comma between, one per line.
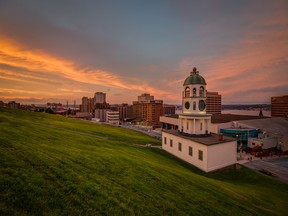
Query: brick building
x=125, y=111
x=148, y=110
x=213, y=103
x=87, y=105
x=279, y=106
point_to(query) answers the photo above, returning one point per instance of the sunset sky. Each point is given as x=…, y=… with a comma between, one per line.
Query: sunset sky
x=53, y=51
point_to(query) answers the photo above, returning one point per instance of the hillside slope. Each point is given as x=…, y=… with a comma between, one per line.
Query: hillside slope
x=53, y=165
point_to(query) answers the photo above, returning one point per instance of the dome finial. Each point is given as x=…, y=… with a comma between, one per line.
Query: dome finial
x=194, y=71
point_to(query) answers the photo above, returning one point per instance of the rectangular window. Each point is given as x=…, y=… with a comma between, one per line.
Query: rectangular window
x=190, y=151
x=165, y=140
x=187, y=125
x=180, y=146
x=200, y=155
x=171, y=143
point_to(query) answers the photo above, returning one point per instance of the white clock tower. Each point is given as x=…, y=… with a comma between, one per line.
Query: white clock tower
x=194, y=120
x=193, y=141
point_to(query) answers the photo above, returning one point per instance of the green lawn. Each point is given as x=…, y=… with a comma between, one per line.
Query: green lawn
x=52, y=165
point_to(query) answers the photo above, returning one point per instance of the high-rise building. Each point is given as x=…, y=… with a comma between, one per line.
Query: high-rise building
x=102, y=106
x=125, y=111
x=98, y=102
x=87, y=105
x=84, y=105
x=279, y=106
x=99, y=97
x=100, y=114
x=213, y=103
x=148, y=110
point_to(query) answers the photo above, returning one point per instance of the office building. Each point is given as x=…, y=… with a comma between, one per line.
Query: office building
x=99, y=97
x=125, y=112
x=87, y=105
x=279, y=106
x=100, y=114
x=213, y=103
x=147, y=110
x=112, y=117
x=97, y=102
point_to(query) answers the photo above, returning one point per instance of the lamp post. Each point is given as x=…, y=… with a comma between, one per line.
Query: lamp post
x=237, y=138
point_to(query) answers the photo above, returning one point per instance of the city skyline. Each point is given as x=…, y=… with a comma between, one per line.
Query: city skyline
x=58, y=51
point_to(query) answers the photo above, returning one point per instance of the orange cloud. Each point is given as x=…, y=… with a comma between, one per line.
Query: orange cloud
x=41, y=64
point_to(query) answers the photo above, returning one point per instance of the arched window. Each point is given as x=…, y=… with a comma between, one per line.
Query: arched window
x=194, y=92
x=187, y=92
x=194, y=105
x=201, y=91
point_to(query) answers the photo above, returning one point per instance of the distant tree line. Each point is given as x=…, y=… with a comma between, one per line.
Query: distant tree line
x=246, y=107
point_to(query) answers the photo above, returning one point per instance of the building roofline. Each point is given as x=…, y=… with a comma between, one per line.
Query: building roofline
x=211, y=139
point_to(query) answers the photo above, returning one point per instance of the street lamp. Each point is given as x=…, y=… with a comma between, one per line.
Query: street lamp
x=237, y=138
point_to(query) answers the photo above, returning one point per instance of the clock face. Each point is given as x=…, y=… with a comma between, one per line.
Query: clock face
x=187, y=105
x=202, y=105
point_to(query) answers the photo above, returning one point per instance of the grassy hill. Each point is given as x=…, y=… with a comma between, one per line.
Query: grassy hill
x=52, y=165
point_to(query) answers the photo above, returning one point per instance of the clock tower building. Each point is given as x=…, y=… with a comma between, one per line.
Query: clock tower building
x=194, y=120
x=194, y=142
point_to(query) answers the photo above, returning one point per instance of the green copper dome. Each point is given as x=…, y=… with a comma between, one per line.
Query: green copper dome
x=194, y=78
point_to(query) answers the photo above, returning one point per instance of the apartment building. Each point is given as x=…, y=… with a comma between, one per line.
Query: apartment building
x=213, y=103
x=148, y=110
x=279, y=106
x=112, y=117
x=99, y=97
